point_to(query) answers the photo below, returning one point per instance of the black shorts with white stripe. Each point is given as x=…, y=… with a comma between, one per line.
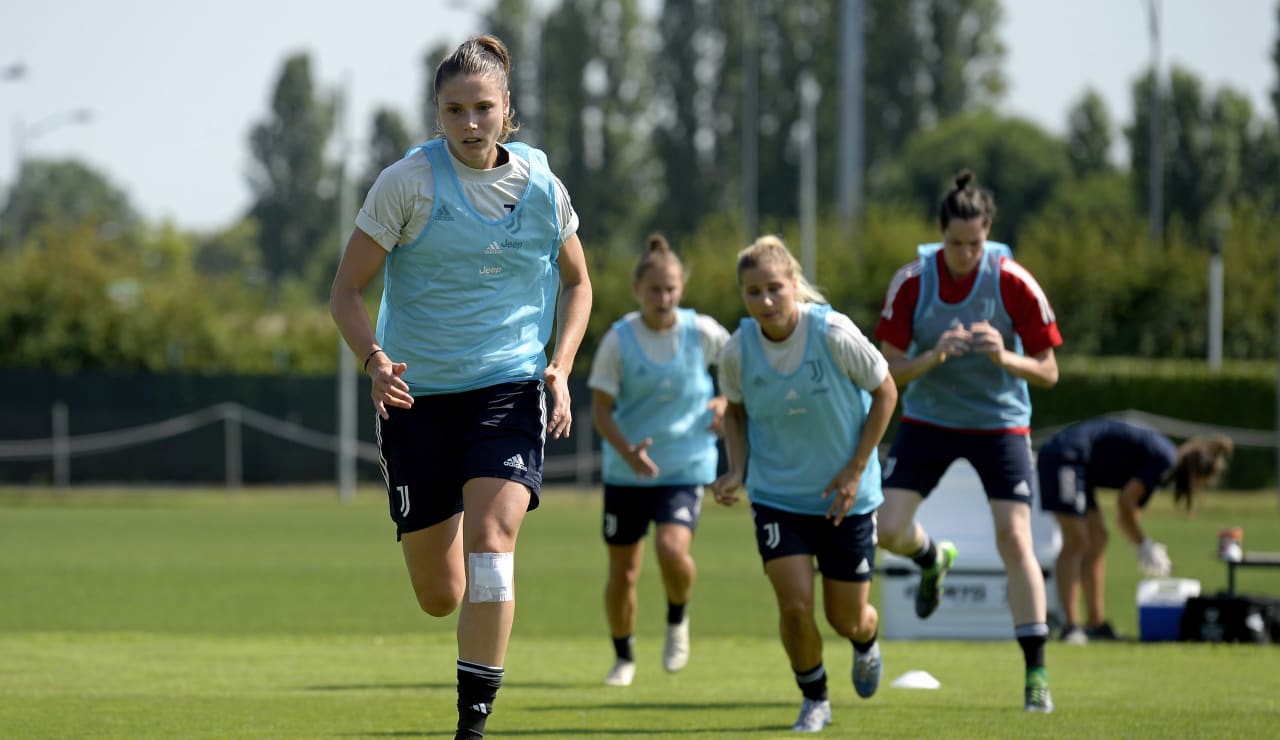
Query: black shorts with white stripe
x=430, y=451
x=844, y=553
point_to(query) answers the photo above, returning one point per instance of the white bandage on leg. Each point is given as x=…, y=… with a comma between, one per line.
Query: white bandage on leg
x=491, y=576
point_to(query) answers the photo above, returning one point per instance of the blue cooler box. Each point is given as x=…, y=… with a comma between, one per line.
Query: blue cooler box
x=1161, y=602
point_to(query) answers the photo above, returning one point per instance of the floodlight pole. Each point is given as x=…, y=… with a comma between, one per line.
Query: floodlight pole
x=852, y=144
x=810, y=94
x=347, y=430
x=750, y=119
x=1155, y=175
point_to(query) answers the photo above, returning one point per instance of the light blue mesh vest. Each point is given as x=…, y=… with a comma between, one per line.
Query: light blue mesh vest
x=967, y=392
x=803, y=427
x=668, y=403
x=471, y=302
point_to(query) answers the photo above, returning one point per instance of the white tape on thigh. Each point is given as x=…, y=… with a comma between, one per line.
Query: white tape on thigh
x=491, y=576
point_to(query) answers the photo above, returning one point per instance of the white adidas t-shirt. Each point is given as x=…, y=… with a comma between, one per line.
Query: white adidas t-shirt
x=658, y=346
x=400, y=201
x=853, y=353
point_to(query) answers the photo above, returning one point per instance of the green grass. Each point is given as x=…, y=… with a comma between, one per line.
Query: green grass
x=287, y=614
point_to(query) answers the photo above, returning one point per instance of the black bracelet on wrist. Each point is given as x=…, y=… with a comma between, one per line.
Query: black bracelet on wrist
x=370, y=357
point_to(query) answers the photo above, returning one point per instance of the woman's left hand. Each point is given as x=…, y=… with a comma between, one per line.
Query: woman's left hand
x=845, y=489
x=716, y=406
x=561, y=420
x=988, y=341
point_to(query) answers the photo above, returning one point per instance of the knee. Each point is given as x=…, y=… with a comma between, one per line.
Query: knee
x=851, y=622
x=625, y=574
x=438, y=602
x=1013, y=542
x=670, y=549
x=794, y=614
x=1097, y=542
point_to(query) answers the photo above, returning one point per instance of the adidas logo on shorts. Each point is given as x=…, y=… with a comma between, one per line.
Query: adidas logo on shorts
x=515, y=462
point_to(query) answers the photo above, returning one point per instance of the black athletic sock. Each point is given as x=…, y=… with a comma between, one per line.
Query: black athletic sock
x=863, y=647
x=927, y=556
x=675, y=613
x=1031, y=638
x=477, y=687
x=813, y=683
x=622, y=648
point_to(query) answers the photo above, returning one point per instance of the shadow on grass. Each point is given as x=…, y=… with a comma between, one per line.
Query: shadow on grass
x=661, y=706
x=567, y=732
x=451, y=685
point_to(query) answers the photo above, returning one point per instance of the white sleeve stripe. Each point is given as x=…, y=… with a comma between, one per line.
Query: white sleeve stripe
x=904, y=273
x=1021, y=273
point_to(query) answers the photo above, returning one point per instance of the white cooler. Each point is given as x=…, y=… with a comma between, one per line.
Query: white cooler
x=974, y=594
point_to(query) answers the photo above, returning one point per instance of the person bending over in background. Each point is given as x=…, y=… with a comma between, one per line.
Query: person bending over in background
x=474, y=238
x=1135, y=460
x=964, y=329
x=809, y=399
x=653, y=402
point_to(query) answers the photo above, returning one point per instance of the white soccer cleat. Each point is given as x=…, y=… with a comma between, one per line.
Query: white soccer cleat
x=622, y=673
x=866, y=671
x=675, y=654
x=815, y=714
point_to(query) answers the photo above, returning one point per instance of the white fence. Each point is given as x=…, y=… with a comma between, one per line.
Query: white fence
x=581, y=466
x=60, y=448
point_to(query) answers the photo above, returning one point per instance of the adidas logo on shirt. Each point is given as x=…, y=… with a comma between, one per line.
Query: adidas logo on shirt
x=515, y=462
x=443, y=214
x=792, y=395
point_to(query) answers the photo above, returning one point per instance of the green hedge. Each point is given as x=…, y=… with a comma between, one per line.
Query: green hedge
x=1241, y=395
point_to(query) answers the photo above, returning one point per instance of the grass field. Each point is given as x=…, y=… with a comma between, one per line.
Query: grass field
x=287, y=614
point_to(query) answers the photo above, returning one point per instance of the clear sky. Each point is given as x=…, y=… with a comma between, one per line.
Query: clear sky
x=174, y=86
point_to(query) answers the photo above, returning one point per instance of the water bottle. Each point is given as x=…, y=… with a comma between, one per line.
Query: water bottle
x=1230, y=544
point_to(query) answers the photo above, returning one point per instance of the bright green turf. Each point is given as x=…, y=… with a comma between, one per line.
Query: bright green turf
x=288, y=614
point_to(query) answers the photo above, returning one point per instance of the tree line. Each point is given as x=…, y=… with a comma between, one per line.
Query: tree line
x=643, y=118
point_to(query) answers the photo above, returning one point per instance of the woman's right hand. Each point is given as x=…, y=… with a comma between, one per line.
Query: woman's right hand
x=954, y=342
x=388, y=387
x=725, y=488
x=638, y=459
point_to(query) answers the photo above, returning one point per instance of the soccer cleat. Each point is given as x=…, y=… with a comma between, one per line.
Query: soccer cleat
x=1073, y=634
x=622, y=674
x=929, y=593
x=1036, y=696
x=1103, y=631
x=866, y=671
x=675, y=653
x=815, y=714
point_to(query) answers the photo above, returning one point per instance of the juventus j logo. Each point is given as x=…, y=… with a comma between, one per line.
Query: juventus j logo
x=404, y=500
x=772, y=535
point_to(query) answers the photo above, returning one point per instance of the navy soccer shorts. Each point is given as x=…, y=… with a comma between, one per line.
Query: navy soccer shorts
x=921, y=454
x=1064, y=485
x=844, y=553
x=629, y=509
x=428, y=452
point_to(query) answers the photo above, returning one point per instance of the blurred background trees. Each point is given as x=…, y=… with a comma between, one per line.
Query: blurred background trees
x=642, y=117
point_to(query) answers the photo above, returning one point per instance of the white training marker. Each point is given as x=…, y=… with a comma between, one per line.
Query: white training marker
x=916, y=680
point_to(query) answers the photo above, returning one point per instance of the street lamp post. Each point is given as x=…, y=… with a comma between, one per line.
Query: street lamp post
x=1155, y=175
x=24, y=133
